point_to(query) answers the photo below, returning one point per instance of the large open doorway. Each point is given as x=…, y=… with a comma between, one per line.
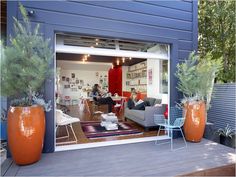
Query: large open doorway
x=121, y=68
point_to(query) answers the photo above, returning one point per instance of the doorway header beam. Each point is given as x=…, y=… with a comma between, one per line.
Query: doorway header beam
x=109, y=52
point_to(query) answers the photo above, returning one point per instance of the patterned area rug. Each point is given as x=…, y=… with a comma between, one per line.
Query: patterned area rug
x=93, y=129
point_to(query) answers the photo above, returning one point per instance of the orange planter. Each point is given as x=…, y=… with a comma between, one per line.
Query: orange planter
x=26, y=129
x=195, y=121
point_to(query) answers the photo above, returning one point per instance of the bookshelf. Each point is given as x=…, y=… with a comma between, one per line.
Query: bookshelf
x=136, y=77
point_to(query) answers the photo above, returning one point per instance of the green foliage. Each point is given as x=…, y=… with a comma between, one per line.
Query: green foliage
x=226, y=132
x=3, y=114
x=25, y=62
x=217, y=34
x=196, y=77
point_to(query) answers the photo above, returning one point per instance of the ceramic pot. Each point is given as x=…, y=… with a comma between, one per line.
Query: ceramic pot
x=195, y=120
x=26, y=129
x=227, y=141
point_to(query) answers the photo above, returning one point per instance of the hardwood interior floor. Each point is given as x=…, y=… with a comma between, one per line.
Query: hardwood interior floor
x=85, y=116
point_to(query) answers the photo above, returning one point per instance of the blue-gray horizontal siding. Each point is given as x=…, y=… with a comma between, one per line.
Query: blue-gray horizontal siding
x=172, y=22
x=223, y=106
x=169, y=19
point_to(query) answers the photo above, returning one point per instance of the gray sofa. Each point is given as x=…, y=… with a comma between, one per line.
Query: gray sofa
x=145, y=117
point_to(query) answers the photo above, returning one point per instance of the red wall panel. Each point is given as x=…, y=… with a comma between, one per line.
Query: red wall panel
x=115, y=80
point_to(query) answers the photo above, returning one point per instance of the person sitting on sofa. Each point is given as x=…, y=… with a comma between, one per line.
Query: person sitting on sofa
x=98, y=95
x=134, y=103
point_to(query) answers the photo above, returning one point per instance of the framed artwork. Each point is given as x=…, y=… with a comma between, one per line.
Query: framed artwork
x=77, y=81
x=68, y=79
x=72, y=85
x=66, y=86
x=72, y=80
x=150, y=76
x=74, y=89
x=81, y=82
x=73, y=75
x=63, y=78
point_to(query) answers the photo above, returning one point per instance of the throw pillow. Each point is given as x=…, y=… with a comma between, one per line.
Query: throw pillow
x=140, y=106
x=139, y=102
x=150, y=100
x=158, y=101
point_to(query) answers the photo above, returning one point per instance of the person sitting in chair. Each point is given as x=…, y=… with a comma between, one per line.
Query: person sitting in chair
x=99, y=96
x=134, y=103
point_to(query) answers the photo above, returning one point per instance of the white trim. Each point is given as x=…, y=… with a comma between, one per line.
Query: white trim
x=54, y=93
x=115, y=53
x=109, y=143
x=168, y=120
x=108, y=52
x=86, y=63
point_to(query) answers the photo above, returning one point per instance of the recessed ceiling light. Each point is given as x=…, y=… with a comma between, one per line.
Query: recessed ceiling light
x=117, y=61
x=123, y=59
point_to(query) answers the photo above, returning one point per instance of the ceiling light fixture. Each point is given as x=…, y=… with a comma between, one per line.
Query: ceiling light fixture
x=117, y=61
x=130, y=58
x=96, y=43
x=123, y=59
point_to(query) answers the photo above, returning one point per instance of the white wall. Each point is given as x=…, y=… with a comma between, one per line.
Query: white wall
x=153, y=89
x=85, y=72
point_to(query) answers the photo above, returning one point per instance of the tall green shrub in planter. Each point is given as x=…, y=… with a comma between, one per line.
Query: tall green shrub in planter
x=24, y=69
x=196, y=82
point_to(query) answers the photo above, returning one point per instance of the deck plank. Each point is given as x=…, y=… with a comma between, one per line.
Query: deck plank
x=132, y=159
x=5, y=166
x=12, y=170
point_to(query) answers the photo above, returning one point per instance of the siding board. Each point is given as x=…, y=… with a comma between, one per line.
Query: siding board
x=184, y=53
x=143, y=8
x=174, y=4
x=58, y=18
x=185, y=45
x=223, y=106
x=113, y=14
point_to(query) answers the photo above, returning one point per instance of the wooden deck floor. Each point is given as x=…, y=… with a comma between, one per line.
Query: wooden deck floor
x=137, y=159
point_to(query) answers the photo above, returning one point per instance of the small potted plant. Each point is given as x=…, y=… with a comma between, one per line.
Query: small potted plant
x=25, y=66
x=196, y=81
x=227, y=136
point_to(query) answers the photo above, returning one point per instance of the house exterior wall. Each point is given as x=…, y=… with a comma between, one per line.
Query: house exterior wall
x=170, y=22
